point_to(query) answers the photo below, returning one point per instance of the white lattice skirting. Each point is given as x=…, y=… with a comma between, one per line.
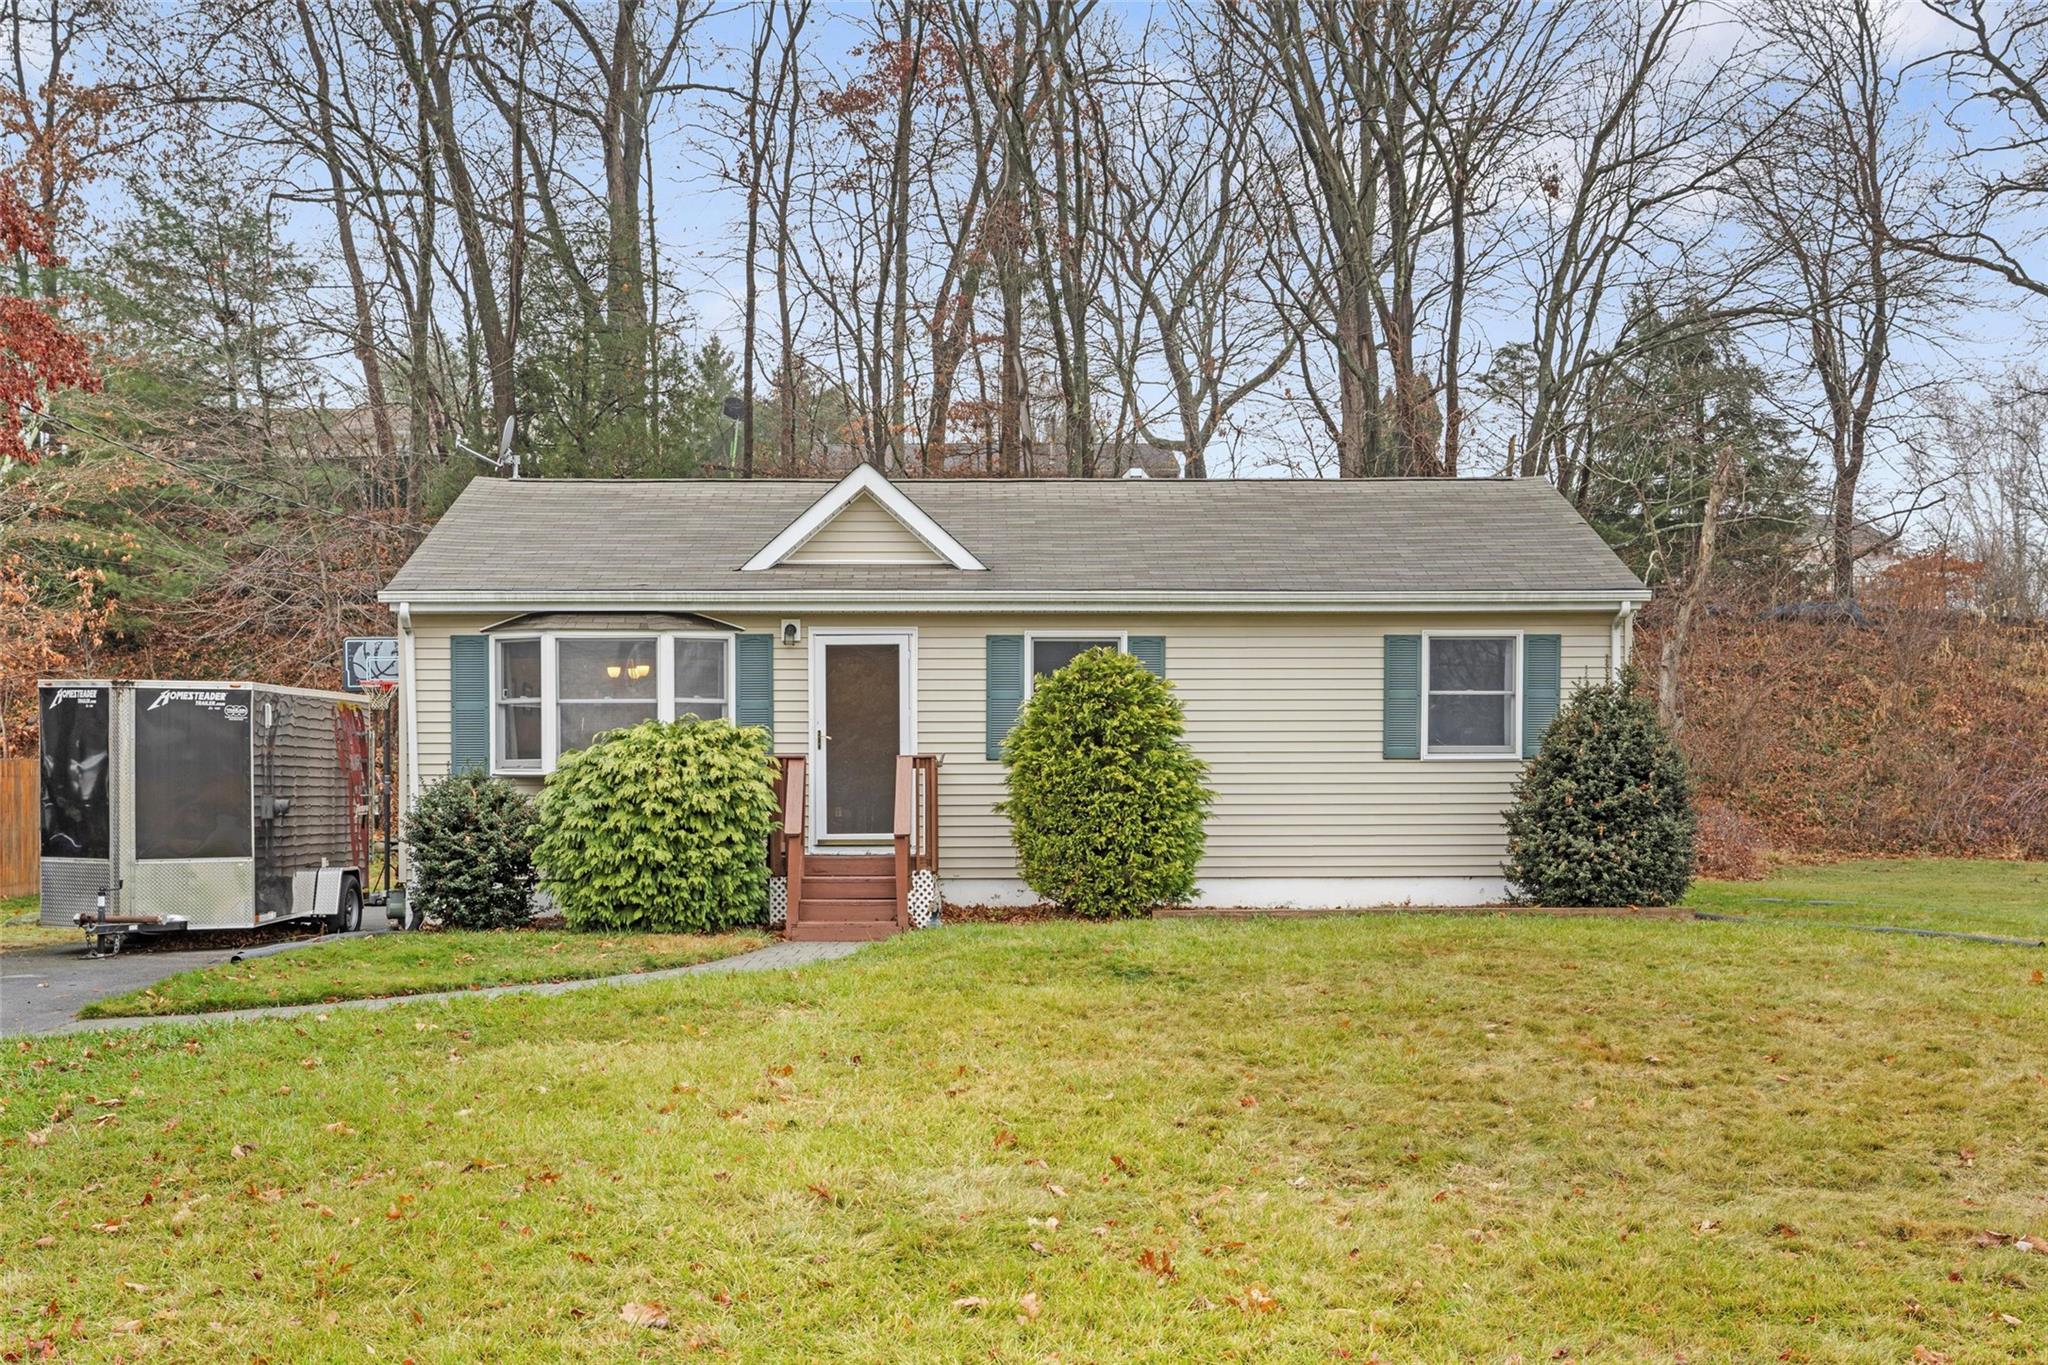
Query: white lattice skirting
x=778, y=902
x=924, y=899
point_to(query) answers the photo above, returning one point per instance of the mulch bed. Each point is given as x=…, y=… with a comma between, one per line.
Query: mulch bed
x=1002, y=914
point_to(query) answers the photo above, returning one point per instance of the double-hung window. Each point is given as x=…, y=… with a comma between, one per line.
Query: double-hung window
x=555, y=693
x=1471, y=708
x=1051, y=653
x=701, y=666
x=516, y=738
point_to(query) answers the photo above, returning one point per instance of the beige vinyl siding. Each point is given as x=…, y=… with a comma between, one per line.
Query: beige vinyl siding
x=863, y=533
x=1285, y=709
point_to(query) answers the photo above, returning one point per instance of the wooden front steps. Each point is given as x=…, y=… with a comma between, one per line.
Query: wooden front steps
x=847, y=897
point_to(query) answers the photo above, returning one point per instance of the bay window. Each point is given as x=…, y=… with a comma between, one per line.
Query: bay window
x=1470, y=704
x=555, y=693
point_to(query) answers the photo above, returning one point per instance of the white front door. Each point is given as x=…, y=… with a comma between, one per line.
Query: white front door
x=862, y=717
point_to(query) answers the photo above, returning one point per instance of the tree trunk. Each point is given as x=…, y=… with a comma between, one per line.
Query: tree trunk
x=363, y=334
x=1670, y=707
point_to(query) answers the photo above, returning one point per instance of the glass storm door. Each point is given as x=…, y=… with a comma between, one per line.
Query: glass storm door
x=860, y=686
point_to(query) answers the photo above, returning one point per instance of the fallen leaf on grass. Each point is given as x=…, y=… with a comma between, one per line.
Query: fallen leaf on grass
x=972, y=1303
x=649, y=1315
x=1254, y=1300
x=1028, y=1308
x=131, y=1325
x=1159, y=1263
x=339, y=1127
x=240, y=1150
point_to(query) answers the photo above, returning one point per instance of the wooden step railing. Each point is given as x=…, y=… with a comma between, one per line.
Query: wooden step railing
x=786, y=844
x=917, y=824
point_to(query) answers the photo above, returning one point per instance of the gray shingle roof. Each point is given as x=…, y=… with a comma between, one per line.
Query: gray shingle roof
x=545, y=541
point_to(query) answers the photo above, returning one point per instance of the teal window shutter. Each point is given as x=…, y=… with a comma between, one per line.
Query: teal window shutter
x=1541, y=666
x=1150, y=650
x=1005, y=689
x=1401, y=698
x=469, y=703
x=754, y=667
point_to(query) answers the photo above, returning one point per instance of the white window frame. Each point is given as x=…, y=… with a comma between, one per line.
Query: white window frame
x=550, y=693
x=1513, y=751
x=1122, y=638
x=499, y=767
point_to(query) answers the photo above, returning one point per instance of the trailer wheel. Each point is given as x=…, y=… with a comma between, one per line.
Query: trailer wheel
x=348, y=916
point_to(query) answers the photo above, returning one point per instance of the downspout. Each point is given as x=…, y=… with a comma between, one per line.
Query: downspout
x=406, y=680
x=1621, y=641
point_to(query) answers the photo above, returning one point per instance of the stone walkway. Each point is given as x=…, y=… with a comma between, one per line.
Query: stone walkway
x=775, y=957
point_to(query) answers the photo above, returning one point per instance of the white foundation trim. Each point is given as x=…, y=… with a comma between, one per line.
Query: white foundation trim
x=1275, y=893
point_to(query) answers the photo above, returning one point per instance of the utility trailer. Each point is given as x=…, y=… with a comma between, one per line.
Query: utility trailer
x=170, y=806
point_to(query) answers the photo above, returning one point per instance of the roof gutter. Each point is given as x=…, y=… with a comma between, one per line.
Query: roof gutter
x=882, y=600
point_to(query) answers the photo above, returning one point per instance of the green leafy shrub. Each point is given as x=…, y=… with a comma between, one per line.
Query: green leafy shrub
x=470, y=841
x=661, y=827
x=1106, y=800
x=1603, y=814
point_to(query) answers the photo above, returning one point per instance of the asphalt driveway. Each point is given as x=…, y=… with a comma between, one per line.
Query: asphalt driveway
x=43, y=989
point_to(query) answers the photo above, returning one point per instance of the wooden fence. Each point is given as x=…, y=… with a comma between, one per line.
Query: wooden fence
x=21, y=820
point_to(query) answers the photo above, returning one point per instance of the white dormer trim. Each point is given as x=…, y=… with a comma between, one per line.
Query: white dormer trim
x=894, y=501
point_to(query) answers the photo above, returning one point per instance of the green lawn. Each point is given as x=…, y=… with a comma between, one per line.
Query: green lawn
x=409, y=964
x=1416, y=1137
x=1924, y=893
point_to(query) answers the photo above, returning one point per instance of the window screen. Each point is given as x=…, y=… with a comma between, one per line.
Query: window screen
x=700, y=678
x=1050, y=656
x=1471, y=694
x=602, y=685
x=519, y=703
x=75, y=771
x=192, y=797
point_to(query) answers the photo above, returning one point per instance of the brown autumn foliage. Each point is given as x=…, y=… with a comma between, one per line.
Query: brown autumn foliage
x=40, y=636
x=1922, y=732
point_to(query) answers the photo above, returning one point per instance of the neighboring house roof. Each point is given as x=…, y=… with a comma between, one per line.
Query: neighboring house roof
x=541, y=543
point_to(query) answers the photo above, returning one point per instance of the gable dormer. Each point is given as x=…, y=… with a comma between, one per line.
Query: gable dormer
x=864, y=520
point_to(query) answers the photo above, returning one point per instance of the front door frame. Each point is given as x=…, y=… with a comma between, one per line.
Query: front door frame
x=905, y=639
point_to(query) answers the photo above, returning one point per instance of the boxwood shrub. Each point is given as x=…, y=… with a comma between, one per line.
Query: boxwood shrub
x=1106, y=800
x=661, y=827
x=470, y=841
x=1603, y=814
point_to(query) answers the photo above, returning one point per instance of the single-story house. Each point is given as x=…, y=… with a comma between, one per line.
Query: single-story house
x=1364, y=664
